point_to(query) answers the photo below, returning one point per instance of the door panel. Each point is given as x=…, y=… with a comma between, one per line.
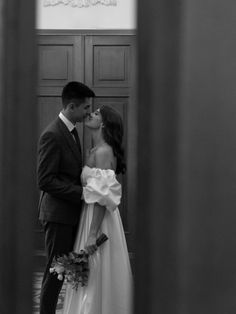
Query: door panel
x=55, y=64
x=60, y=61
x=109, y=64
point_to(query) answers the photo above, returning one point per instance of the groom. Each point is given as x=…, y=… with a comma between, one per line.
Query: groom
x=59, y=170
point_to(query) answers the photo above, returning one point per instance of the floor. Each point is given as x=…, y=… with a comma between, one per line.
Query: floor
x=36, y=294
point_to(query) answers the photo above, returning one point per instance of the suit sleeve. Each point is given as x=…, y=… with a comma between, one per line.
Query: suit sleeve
x=47, y=172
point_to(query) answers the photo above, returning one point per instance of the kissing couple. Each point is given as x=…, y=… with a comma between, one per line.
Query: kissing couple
x=79, y=201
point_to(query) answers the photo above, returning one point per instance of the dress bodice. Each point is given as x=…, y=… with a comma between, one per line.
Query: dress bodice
x=101, y=186
x=89, y=172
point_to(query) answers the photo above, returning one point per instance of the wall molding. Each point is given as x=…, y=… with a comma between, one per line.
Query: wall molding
x=80, y=3
x=74, y=32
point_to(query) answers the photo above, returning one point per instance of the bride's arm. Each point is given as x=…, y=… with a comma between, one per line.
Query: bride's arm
x=98, y=215
x=102, y=159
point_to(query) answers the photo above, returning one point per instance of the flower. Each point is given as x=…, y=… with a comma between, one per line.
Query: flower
x=59, y=269
x=74, y=267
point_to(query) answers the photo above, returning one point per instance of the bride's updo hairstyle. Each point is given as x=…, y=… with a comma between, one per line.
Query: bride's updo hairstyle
x=113, y=134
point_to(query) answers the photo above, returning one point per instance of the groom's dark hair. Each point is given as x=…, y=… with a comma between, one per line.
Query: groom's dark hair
x=75, y=90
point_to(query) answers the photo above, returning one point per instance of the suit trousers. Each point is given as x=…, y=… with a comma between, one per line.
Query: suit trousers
x=59, y=239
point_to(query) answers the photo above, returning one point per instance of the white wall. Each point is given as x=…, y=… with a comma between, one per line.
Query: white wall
x=121, y=16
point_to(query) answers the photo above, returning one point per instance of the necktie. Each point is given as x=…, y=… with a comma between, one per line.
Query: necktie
x=76, y=136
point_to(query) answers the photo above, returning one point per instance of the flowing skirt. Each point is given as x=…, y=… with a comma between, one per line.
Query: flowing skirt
x=109, y=289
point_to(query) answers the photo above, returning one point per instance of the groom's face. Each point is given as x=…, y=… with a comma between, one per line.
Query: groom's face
x=81, y=110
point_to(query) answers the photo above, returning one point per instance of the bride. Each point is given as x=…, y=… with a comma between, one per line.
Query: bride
x=109, y=289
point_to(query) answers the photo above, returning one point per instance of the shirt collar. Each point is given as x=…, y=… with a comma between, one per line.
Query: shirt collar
x=67, y=122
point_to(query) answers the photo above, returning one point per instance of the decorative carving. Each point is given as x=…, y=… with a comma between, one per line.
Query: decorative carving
x=79, y=3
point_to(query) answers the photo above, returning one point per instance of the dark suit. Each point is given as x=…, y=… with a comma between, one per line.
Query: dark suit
x=59, y=170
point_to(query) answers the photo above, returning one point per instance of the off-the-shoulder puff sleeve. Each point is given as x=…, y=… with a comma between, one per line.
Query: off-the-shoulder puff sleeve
x=103, y=188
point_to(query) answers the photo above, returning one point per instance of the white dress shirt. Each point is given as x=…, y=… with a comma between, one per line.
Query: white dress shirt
x=70, y=126
x=67, y=122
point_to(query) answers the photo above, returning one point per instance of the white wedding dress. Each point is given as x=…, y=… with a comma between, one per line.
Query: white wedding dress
x=109, y=289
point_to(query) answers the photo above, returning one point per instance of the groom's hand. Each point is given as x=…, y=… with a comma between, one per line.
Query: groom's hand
x=90, y=245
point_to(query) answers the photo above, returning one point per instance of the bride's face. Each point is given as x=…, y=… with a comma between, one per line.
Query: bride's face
x=94, y=120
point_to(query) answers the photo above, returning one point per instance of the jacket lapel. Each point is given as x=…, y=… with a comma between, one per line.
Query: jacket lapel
x=69, y=139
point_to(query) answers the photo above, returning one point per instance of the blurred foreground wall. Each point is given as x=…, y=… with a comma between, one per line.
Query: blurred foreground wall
x=17, y=154
x=186, y=200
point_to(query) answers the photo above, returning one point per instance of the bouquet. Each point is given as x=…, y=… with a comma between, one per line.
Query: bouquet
x=74, y=267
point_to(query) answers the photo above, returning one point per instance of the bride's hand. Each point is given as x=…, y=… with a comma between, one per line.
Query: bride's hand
x=90, y=245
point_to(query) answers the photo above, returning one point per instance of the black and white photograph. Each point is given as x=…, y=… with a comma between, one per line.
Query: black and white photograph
x=117, y=157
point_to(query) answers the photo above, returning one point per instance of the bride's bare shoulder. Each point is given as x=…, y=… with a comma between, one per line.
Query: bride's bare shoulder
x=104, y=157
x=104, y=149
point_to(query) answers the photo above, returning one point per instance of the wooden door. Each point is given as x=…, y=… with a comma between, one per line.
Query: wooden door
x=60, y=60
x=109, y=70
x=104, y=64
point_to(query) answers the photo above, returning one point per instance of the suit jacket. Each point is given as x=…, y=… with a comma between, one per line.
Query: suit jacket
x=59, y=170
